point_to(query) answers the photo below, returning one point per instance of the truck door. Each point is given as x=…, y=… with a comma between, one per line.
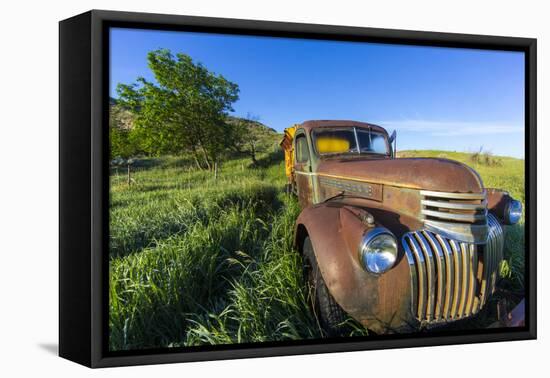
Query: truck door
x=302, y=170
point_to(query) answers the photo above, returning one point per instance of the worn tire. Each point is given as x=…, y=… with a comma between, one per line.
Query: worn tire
x=328, y=313
x=288, y=189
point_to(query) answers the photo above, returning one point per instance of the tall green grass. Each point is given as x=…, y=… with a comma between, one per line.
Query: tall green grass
x=199, y=260
x=153, y=292
x=267, y=301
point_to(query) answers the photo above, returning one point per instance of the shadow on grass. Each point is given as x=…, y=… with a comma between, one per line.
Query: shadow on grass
x=271, y=159
x=148, y=163
x=138, y=164
x=145, y=235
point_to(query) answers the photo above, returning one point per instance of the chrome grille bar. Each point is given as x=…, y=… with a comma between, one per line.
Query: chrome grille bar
x=449, y=195
x=453, y=205
x=449, y=273
x=457, y=217
x=458, y=278
x=416, y=260
x=472, y=280
x=430, y=273
x=464, y=279
x=416, y=286
x=495, y=247
x=440, y=272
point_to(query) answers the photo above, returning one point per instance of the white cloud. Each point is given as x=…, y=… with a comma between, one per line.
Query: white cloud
x=454, y=128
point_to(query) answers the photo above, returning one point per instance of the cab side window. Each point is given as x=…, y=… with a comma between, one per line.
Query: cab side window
x=302, y=151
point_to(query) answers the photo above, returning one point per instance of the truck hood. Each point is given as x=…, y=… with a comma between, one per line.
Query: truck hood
x=416, y=173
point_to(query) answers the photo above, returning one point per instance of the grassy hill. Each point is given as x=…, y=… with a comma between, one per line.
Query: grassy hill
x=254, y=123
x=198, y=260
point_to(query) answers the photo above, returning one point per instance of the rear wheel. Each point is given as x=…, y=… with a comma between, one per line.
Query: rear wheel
x=288, y=189
x=328, y=313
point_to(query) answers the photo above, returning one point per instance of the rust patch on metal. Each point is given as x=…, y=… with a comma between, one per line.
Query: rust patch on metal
x=406, y=200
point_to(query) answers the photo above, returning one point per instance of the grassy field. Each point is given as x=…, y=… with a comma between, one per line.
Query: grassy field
x=197, y=260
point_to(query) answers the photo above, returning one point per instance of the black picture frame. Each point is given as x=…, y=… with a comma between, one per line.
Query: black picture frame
x=84, y=192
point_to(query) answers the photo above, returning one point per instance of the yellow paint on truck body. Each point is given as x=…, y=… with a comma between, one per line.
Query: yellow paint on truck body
x=287, y=146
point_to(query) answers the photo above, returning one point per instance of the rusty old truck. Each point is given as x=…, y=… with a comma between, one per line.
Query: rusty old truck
x=398, y=244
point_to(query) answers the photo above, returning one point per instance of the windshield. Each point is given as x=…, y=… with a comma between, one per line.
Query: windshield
x=346, y=141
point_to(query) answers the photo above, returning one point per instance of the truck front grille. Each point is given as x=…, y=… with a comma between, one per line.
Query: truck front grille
x=451, y=280
x=458, y=216
x=454, y=207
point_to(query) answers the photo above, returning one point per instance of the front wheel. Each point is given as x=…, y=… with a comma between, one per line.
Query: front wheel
x=328, y=313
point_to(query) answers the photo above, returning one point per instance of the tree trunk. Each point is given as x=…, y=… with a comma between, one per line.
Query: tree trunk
x=196, y=157
x=129, y=177
x=206, y=159
x=199, y=137
x=197, y=162
x=253, y=155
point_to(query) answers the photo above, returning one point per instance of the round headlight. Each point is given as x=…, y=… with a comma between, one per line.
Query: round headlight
x=513, y=212
x=378, y=250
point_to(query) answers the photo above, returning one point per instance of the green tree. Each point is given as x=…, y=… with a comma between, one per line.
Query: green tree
x=121, y=133
x=123, y=145
x=250, y=137
x=183, y=111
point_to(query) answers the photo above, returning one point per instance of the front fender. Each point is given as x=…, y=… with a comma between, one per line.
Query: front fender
x=498, y=201
x=380, y=302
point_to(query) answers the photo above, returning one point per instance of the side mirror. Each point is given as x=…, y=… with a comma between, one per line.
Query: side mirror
x=392, y=136
x=393, y=139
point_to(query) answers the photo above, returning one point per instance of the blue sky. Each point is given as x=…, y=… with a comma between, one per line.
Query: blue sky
x=436, y=98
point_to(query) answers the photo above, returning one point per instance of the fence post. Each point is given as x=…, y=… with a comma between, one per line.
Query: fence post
x=215, y=170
